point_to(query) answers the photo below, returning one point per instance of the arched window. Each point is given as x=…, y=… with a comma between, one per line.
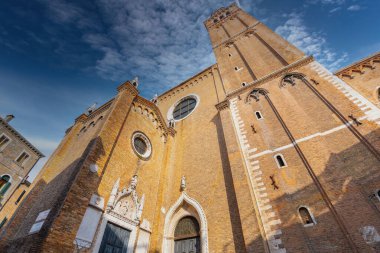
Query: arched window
x=280, y=160
x=5, y=183
x=243, y=84
x=186, y=236
x=378, y=93
x=306, y=217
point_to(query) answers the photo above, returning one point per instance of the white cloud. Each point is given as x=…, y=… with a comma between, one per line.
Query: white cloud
x=354, y=7
x=312, y=43
x=335, y=9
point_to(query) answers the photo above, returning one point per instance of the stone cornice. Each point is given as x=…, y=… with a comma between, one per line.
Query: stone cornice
x=20, y=137
x=359, y=65
x=101, y=109
x=236, y=35
x=223, y=105
x=153, y=107
x=303, y=61
x=194, y=78
x=129, y=88
x=81, y=118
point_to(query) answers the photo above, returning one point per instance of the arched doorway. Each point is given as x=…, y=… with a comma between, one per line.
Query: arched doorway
x=176, y=216
x=186, y=236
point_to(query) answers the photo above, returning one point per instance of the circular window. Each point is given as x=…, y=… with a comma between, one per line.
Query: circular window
x=183, y=108
x=141, y=145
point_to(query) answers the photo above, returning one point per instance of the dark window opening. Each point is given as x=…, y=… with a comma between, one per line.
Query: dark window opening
x=258, y=115
x=20, y=197
x=305, y=216
x=3, y=222
x=244, y=84
x=140, y=145
x=280, y=161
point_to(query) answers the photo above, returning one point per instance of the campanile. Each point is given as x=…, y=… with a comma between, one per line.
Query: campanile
x=246, y=49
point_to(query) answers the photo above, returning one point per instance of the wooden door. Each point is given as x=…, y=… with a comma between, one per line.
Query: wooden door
x=115, y=239
x=189, y=245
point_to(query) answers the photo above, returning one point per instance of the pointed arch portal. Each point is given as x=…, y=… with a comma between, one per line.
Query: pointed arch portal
x=182, y=208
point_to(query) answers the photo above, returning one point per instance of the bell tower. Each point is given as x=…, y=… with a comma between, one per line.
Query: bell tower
x=245, y=48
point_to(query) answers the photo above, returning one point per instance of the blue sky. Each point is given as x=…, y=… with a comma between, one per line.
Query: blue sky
x=59, y=57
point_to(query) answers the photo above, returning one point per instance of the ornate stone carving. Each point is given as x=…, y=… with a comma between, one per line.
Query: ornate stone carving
x=126, y=203
x=183, y=183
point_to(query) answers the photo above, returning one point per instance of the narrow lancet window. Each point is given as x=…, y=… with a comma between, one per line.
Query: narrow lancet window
x=306, y=217
x=280, y=160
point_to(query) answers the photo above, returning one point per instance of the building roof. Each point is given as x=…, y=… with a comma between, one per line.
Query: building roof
x=357, y=63
x=20, y=137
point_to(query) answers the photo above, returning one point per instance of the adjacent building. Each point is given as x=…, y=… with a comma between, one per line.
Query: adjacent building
x=17, y=158
x=264, y=151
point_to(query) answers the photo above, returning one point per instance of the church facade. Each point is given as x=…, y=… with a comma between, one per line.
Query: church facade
x=264, y=151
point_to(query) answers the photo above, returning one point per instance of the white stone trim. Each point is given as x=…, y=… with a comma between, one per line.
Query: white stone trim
x=169, y=114
x=306, y=138
x=371, y=110
x=142, y=136
x=109, y=218
x=171, y=221
x=270, y=220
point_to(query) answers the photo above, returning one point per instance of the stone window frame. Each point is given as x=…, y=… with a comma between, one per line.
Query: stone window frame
x=148, y=152
x=27, y=159
x=311, y=215
x=169, y=114
x=244, y=84
x=283, y=159
x=121, y=223
x=6, y=144
x=261, y=116
x=237, y=69
x=377, y=194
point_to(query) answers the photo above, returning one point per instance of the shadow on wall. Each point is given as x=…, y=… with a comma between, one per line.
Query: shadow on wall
x=349, y=179
x=348, y=186
x=52, y=195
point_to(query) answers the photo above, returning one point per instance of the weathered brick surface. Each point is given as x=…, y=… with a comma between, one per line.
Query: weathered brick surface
x=208, y=149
